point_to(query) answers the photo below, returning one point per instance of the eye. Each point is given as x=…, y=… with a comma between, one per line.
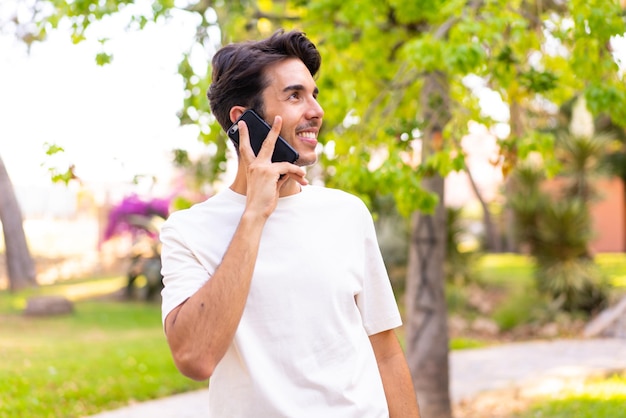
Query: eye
x=294, y=96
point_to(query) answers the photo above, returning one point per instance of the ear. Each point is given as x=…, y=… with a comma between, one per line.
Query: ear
x=236, y=112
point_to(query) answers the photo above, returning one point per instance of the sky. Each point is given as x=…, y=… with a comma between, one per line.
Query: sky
x=113, y=121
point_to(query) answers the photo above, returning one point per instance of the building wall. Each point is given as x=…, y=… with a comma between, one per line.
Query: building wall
x=609, y=217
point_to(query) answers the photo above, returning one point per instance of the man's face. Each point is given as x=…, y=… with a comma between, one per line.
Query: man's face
x=292, y=94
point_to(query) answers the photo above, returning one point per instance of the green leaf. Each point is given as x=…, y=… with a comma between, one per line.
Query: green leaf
x=102, y=58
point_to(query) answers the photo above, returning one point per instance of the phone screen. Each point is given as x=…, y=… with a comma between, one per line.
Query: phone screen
x=258, y=130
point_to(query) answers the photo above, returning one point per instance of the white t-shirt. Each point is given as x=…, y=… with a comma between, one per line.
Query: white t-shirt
x=319, y=289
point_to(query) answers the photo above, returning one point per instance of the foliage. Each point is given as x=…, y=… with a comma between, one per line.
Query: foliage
x=576, y=284
x=553, y=217
x=102, y=357
x=557, y=231
x=56, y=175
x=529, y=53
x=520, y=308
x=582, y=161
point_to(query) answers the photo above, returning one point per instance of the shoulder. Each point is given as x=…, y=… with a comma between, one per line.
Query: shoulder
x=334, y=195
x=182, y=215
x=341, y=204
x=214, y=205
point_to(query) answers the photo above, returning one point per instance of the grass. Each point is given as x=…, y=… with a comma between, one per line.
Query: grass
x=613, y=265
x=109, y=353
x=103, y=356
x=516, y=270
x=506, y=270
x=597, y=398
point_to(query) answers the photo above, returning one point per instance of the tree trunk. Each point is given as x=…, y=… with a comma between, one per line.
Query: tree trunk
x=427, y=327
x=427, y=324
x=492, y=237
x=517, y=123
x=20, y=264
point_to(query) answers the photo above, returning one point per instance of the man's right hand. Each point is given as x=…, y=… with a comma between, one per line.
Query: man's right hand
x=265, y=179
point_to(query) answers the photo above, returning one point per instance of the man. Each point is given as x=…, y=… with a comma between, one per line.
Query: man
x=275, y=289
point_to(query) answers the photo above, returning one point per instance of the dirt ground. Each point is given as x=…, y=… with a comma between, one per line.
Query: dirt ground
x=496, y=404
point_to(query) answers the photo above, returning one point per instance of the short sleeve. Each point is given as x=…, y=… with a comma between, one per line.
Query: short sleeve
x=182, y=272
x=377, y=301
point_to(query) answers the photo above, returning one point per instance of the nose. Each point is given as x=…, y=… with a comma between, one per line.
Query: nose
x=315, y=110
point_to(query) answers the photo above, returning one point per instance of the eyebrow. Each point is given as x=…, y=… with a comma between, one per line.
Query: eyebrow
x=299, y=87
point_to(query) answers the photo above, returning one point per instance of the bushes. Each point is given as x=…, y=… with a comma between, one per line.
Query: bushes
x=556, y=227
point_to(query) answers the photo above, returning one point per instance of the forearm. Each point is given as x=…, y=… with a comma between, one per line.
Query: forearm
x=395, y=374
x=398, y=386
x=201, y=329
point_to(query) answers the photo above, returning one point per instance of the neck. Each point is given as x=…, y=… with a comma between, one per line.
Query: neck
x=240, y=185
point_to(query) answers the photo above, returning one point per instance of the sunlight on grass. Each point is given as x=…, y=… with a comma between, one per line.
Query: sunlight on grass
x=74, y=290
x=516, y=270
x=510, y=270
x=465, y=343
x=619, y=281
x=507, y=260
x=613, y=265
x=93, y=289
x=597, y=398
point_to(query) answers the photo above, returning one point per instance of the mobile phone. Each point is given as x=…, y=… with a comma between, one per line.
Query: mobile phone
x=258, y=130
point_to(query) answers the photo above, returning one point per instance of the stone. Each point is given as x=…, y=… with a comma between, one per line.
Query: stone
x=609, y=323
x=457, y=324
x=549, y=330
x=485, y=326
x=48, y=306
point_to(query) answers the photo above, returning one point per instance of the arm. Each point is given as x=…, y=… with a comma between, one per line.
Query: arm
x=200, y=330
x=395, y=374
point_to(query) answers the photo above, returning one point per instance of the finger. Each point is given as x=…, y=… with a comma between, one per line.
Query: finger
x=299, y=179
x=288, y=170
x=245, y=149
x=267, y=148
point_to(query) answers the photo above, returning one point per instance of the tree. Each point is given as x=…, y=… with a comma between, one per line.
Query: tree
x=398, y=86
x=20, y=264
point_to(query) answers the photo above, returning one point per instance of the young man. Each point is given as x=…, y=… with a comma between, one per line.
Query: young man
x=274, y=289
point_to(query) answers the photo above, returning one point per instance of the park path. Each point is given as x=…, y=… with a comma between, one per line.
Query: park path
x=536, y=364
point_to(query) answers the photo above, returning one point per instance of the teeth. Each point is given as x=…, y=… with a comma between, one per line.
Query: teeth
x=308, y=135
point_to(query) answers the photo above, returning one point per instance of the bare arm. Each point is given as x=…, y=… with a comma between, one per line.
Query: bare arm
x=200, y=330
x=395, y=374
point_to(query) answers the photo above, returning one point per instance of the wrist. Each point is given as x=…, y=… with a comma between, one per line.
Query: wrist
x=253, y=217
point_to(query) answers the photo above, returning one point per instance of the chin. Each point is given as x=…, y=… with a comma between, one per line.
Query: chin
x=306, y=160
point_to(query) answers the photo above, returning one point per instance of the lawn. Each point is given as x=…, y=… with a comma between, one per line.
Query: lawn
x=596, y=398
x=103, y=356
x=516, y=270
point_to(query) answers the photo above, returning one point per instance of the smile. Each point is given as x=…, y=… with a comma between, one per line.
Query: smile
x=309, y=135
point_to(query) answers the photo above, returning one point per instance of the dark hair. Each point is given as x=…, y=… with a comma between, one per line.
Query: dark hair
x=239, y=70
